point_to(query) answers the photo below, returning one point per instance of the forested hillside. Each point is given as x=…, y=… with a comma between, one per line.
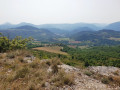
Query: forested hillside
x=30, y=31
x=114, y=26
x=97, y=38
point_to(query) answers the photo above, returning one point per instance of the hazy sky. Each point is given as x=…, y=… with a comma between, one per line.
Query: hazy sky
x=59, y=11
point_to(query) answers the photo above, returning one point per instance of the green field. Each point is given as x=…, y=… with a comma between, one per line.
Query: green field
x=65, y=39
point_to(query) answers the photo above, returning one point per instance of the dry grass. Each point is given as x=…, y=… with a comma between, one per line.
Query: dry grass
x=116, y=73
x=18, y=75
x=62, y=78
x=53, y=49
x=115, y=80
x=2, y=55
x=112, y=81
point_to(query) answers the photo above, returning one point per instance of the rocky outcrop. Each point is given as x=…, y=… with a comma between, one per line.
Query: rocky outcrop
x=103, y=70
x=84, y=82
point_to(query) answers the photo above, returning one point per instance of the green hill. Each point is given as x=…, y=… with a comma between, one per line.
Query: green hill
x=30, y=31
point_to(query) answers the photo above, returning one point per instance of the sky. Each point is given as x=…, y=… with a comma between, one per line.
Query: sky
x=59, y=11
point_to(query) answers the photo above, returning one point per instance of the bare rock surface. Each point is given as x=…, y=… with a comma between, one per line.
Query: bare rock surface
x=29, y=59
x=104, y=70
x=68, y=68
x=84, y=82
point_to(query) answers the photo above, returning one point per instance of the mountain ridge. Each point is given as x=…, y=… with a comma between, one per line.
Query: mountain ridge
x=30, y=31
x=65, y=26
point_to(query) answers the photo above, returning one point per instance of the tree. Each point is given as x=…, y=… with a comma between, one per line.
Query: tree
x=16, y=43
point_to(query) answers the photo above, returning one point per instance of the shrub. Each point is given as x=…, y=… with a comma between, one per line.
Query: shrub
x=63, y=78
x=68, y=79
x=116, y=80
x=32, y=87
x=116, y=73
x=21, y=59
x=17, y=43
x=21, y=73
x=11, y=55
x=56, y=61
x=1, y=56
x=48, y=63
x=88, y=73
x=54, y=68
x=13, y=66
x=34, y=64
x=105, y=80
x=10, y=78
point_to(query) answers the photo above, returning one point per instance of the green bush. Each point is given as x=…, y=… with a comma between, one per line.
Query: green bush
x=88, y=73
x=105, y=80
x=16, y=43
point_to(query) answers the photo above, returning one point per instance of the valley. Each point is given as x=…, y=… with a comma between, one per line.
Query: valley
x=83, y=33
x=82, y=58
x=59, y=44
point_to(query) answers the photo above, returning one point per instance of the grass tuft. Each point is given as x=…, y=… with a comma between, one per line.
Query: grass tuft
x=63, y=78
x=11, y=55
x=22, y=73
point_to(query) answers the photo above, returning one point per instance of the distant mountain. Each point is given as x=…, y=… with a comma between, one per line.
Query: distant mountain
x=114, y=26
x=27, y=27
x=9, y=25
x=90, y=35
x=100, y=25
x=70, y=27
x=24, y=23
x=81, y=29
x=6, y=26
x=30, y=31
x=58, y=31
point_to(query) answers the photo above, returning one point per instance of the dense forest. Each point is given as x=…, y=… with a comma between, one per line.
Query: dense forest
x=96, y=56
x=97, y=38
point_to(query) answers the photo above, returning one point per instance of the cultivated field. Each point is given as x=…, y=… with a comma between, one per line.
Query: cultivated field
x=113, y=38
x=53, y=49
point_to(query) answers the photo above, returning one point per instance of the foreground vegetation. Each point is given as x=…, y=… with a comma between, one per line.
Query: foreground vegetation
x=17, y=73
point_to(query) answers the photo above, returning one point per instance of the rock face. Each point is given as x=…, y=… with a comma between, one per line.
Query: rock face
x=103, y=70
x=29, y=59
x=68, y=68
x=84, y=82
